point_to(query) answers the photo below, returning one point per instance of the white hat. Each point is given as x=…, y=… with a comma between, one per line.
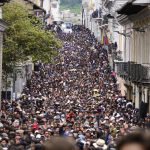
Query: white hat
x=32, y=135
x=37, y=112
x=117, y=116
x=62, y=116
x=106, y=118
x=121, y=119
x=38, y=136
x=41, y=115
x=100, y=143
x=103, y=122
x=57, y=117
x=36, y=131
x=49, y=130
x=112, y=118
x=1, y=125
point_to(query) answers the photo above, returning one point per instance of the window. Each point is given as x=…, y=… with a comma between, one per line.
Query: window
x=54, y=5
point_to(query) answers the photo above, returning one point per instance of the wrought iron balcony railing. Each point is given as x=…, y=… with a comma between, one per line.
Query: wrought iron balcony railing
x=145, y=73
x=138, y=73
x=97, y=14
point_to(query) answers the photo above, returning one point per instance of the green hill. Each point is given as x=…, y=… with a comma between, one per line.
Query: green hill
x=73, y=5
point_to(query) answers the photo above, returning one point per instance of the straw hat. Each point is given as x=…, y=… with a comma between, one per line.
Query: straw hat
x=100, y=143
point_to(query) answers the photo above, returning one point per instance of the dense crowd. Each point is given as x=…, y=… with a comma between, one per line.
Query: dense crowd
x=77, y=96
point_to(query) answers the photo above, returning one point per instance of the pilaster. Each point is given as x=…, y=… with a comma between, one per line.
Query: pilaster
x=137, y=97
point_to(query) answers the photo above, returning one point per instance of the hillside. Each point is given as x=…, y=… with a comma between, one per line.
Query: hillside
x=73, y=5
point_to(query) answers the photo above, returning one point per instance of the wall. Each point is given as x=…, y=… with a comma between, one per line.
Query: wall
x=138, y=45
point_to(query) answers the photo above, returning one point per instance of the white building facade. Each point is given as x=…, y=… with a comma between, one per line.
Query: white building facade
x=135, y=67
x=126, y=22
x=52, y=8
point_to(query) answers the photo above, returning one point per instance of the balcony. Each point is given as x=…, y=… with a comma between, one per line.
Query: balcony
x=145, y=72
x=97, y=15
x=136, y=73
x=122, y=69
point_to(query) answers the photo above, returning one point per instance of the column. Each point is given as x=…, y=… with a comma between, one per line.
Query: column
x=143, y=96
x=133, y=92
x=146, y=95
x=137, y=97
x=1, y=47
x=149, y=101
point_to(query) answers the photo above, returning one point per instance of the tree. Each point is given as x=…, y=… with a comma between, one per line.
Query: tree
x=25, y=38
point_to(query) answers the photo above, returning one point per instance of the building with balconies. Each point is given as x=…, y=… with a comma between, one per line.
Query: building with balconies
x=126, y=22
x=134, y=17
x=32, y=7
x=52, y=8
x=46, y=5
x=93, y=17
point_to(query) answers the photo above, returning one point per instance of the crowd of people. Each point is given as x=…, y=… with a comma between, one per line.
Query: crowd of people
x=76, y=97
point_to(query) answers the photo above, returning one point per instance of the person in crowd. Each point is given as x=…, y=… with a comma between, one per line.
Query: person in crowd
x=75, y=97
x=134, y=141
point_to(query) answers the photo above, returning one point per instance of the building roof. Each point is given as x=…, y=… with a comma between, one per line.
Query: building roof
x=130, y=9
x=35, y=6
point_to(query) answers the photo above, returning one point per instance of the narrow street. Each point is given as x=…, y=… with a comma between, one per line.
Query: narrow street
x=78, y=94
x=74, y=75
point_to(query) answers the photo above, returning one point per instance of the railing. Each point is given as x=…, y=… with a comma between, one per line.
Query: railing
x=145, y=73
x=97, y=14
x=123, y=69
x=139, y=73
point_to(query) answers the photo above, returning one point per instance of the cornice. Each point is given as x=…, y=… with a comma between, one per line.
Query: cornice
x=141, y=15
x=123, y=19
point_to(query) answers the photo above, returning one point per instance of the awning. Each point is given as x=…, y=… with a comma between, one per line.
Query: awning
x=130, y=9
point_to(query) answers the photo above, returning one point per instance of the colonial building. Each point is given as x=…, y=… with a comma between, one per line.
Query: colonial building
x=126, y=22
x=32, y=7
x=55, y=8
x=135, y=68
x=52, y=9
x=46, y=5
